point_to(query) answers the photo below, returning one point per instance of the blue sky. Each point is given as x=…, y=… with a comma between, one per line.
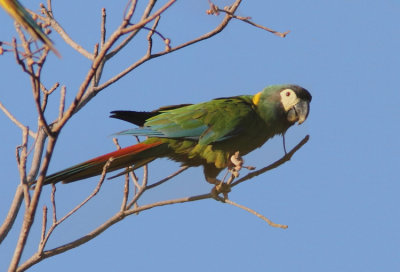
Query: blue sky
x=338, y=194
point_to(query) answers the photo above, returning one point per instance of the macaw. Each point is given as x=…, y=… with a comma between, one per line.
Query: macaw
x=19, y=13
x=206, y=134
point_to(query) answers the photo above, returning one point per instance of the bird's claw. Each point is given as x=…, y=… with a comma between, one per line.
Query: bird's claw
x=237, y=161
x=237, y=164
x=225, y=187
x=221, y=188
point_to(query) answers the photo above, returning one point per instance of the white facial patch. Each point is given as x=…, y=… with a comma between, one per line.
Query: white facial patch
x=288, y=99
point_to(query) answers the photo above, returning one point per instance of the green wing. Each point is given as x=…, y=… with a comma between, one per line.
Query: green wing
x=209, y=122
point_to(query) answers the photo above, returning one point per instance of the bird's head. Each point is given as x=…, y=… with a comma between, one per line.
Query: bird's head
x=283, y=103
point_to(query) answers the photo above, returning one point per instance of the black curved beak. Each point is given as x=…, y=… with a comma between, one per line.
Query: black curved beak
x=299, y=112
x=302, y=109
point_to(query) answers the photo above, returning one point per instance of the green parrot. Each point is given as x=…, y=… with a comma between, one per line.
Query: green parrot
x=19, y=13
x=206, y=134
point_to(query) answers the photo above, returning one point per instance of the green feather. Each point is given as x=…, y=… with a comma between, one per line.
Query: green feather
x=205, y=134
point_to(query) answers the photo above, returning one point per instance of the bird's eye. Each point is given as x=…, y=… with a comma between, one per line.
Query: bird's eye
x=287, y=93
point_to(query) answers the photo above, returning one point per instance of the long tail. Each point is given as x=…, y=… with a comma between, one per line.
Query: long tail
x=18, y=12
x=137, y=155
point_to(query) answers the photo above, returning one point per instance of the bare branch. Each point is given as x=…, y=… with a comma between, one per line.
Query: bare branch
x=82, y=98
x=47, y=93
x=62, y=102
x=12, y=213
x=103, y=27
x=182, y=169
x=272, y=224
x=32, y=59
x=143, y=22
x=68, y=40
x=113, y=220
x=44, y=224
x=145, y=58
x=53, y=202
x=150, y=35
x=126, y=183
x=279, y=162
x=36, y=94
x=31, y=211
x=126, y=193
x=56, y=223
x=138, y=194
x=126, y=212
x=37, y=157
x=215, y=10
x=15, y=121
x=25, y=44
x=95, y=191
x=131, y=35
x=134, y=178
x=22, y=158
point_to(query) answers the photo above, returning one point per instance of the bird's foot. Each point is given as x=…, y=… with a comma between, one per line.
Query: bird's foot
x=237, y=164
x=219, y=188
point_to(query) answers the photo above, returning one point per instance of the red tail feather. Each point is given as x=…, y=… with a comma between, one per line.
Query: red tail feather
x=124, y=157
x=130, y=150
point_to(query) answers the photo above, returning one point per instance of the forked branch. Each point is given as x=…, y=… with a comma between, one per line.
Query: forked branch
x=135, y=209
x=31, y=59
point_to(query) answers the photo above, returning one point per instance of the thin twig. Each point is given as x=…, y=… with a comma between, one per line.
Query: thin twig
x=128, y=14
x=86, y=91
x=148, y=19
x=122, y=214
x=68, y=40
x=25, y=45
x=15, y=121
x=113, y=220
x=126, y=193
x=47, y=93
x=138, y=194
x=131, y=35
x=62, y=102
x=44, y=224
x=116, y=49
x=80, y=205
x=50, y=8
x=103, y=27
x=146, y=58
x=141, y=189
x=133, y=176
x=272, y=224
x=277, y=163
x=98, y=61
x=284, y=143
x=145, y=176
x=84, y=96
x=23, y=157
x=12, y=213
x=247, y=20
x=36, y=94
x=95, y=191
x=17, y=57
x=150, y=35
x=183, y=168
x=52, y=89
x=39, y=144
x=31, y=211
x=126, y=183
